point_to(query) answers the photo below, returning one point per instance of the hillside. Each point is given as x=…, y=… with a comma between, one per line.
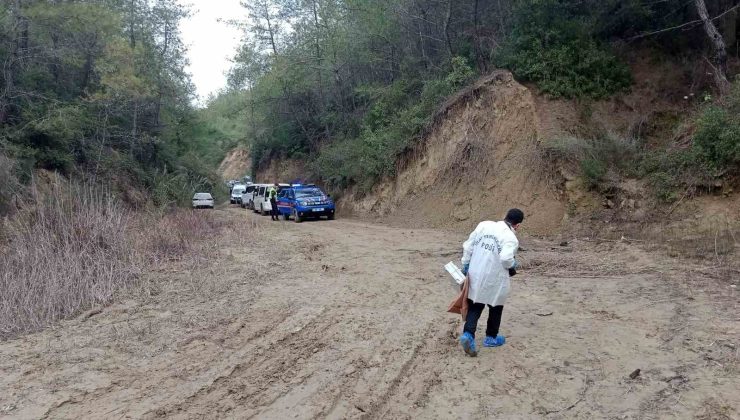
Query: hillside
x=496, y=144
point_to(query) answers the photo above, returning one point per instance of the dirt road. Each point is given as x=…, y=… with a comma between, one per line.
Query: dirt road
x=346, y=319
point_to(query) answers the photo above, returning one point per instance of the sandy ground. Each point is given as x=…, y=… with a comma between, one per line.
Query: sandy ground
x=346, y=319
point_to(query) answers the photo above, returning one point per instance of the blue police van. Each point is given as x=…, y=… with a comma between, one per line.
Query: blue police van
x=304, y=201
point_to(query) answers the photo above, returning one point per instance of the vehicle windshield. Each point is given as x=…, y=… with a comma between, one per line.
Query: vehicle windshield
x=238, y=190
x=202, y=196
x=308, y=192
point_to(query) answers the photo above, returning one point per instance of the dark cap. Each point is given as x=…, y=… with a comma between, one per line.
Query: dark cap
x=514, y=216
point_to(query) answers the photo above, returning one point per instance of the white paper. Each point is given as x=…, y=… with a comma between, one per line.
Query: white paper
x=455, y=272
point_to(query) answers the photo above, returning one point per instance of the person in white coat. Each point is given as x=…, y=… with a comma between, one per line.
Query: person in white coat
x=488, y=259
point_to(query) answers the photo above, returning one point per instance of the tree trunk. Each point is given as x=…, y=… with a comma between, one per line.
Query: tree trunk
x=132, y=36
x=270, y=31
x=11, y=62
x=448, y=17
x=718, y=44
x=482, y=67
x=319, y=58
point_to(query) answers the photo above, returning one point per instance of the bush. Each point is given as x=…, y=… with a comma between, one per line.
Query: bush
x=714, y=152
x=594, y=171
x=717, y=137
x=673, y=171
x=551, y=44
x=596, y=157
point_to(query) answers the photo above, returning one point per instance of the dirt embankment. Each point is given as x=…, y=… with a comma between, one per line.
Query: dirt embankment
x=490, y=147
x=236, y=164
x=480, y=158
x=283, y=170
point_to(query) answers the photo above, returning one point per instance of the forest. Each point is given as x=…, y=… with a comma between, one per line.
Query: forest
x=97, y=89
x=349, y=86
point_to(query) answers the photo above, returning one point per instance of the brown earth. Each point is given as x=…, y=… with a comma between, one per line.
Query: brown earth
x=236, y=164
x=480, y=158
x=281, y=170
x=488, y=150
x=346, y=319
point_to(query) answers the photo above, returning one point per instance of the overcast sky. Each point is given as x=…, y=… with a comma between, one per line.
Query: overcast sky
x=211, y=43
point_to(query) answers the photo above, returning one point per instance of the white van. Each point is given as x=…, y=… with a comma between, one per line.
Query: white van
x=262, y=201
x=248, y=197
x=259, y=204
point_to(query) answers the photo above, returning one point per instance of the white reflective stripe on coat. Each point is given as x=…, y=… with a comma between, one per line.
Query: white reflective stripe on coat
x=490, y=251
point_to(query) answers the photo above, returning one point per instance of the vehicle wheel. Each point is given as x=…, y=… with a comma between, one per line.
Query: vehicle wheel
x=297, y=217
x=330, y=216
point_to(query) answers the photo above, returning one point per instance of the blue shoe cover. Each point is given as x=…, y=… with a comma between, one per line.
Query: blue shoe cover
x=496, y=341
x=468, y=344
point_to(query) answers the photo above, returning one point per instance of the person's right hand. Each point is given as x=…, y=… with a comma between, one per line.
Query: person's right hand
x=465, y=268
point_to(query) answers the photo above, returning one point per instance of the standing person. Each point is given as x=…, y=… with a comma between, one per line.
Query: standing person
x=272, y=194
x=488, y=259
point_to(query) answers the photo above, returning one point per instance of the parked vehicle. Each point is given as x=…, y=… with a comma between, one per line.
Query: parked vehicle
x=247, y=200
x=236, y=193
x=262, y=203
x=202, y=200
x=305, y=201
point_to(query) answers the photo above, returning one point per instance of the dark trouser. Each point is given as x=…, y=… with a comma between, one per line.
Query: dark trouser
x=474, y=312
x=274, y=212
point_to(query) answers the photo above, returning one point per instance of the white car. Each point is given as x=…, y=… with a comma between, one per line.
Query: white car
x=202, y=200
x=236, y=193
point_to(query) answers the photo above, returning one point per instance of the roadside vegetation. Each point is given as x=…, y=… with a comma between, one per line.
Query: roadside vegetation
x=348, y=86
x=97, y=90
x=99, y=145
x=77, y=246
x=709, y=153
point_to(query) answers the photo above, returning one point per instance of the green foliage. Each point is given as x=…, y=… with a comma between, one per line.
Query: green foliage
x=599, y=158
x=98, y=90
x=715, y=151
x=395, y=120
x=594, y=172
x=672, y=171
x=717, y=137
x=551, y=44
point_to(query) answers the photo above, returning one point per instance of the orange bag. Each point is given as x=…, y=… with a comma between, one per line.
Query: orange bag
x=460, y=304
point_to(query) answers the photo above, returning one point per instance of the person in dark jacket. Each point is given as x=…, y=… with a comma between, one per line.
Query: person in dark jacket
x=273, y=202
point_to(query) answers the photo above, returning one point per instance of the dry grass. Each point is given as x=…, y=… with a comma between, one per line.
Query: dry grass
x=76, y=246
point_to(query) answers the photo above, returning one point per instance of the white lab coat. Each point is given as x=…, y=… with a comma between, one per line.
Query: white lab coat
x=490, y=251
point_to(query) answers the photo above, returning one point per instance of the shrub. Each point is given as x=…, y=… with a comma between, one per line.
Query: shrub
x=594, y=171
x=551, y=45
x=673, y=171
x=717, y=137
x=596, y=157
